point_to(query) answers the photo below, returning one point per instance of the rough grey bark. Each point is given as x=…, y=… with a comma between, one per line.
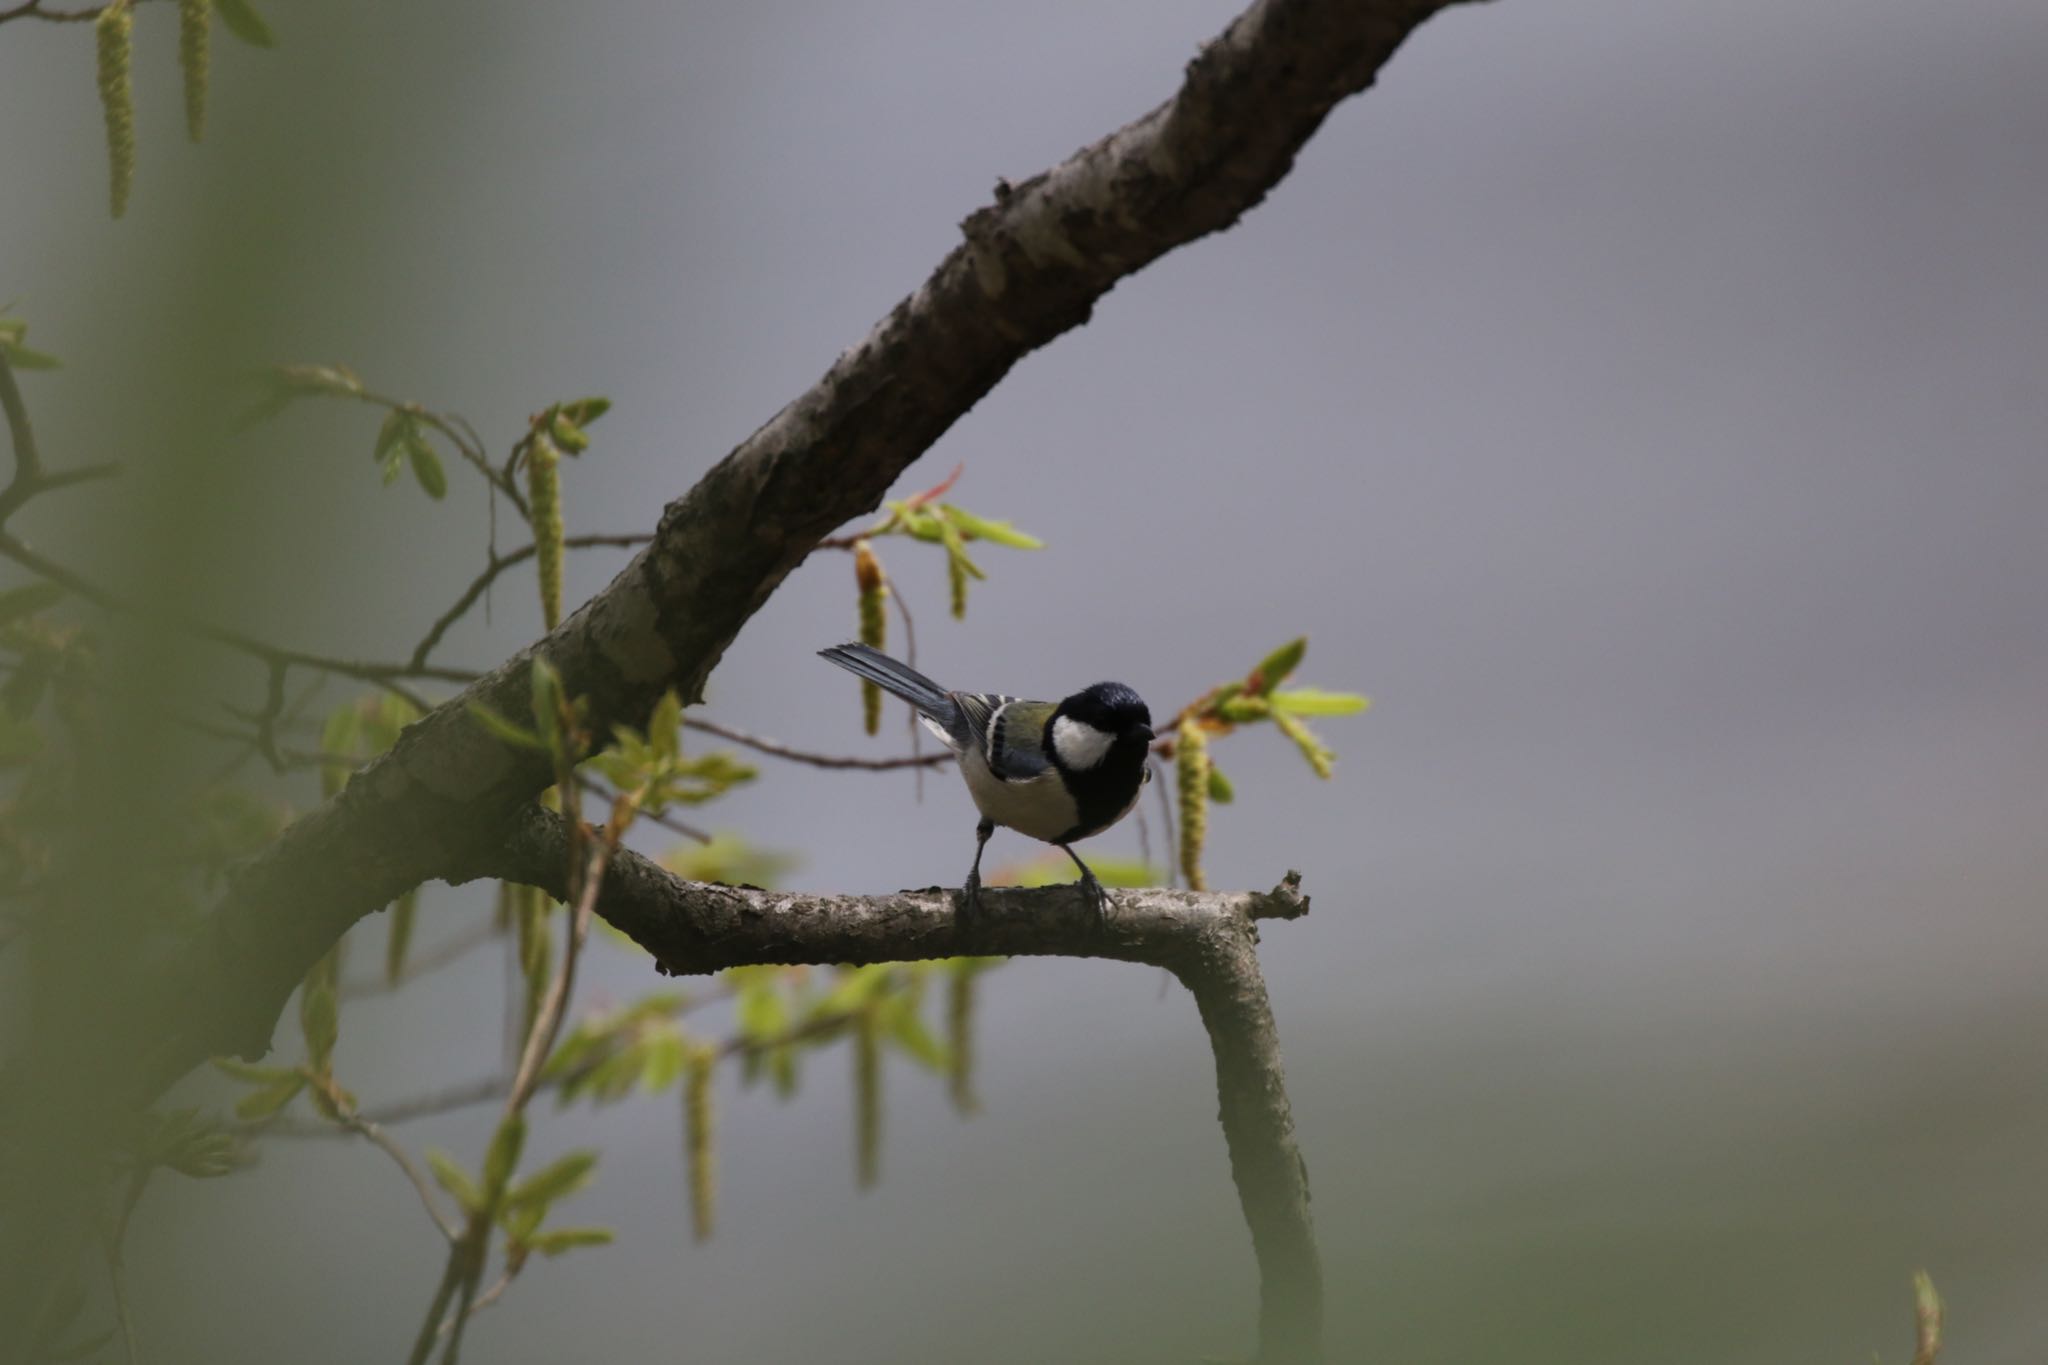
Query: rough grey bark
x=1206, y=939
x=1031, y=265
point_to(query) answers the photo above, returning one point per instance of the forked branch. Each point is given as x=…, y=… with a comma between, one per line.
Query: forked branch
x=1206, y=939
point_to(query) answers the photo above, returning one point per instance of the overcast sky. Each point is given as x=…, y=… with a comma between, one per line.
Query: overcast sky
x=1645, y=405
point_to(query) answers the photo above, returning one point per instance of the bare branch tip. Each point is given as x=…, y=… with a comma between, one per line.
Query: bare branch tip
x=1285, y=901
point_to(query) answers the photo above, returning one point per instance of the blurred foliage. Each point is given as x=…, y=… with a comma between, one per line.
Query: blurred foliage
x=114, y=43
x=760, y=1026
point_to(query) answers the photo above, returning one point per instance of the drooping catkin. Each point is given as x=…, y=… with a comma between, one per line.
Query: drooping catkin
x=195, y=32
x=956, y=578
x=1191, y=770
x=536, y=956
x=698, y=1151
x=544, y=510
x=114, y=35
x=874, y=624
x=867, y=1097
x=960, y=1037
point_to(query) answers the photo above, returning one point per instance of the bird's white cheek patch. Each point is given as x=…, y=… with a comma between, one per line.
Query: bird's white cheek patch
x=1079, y=744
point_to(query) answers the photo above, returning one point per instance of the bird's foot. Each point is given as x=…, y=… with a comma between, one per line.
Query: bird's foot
x=970, y=899
x=1097, y=898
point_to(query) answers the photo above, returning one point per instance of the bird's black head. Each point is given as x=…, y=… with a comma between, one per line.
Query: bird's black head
x=1099, y=724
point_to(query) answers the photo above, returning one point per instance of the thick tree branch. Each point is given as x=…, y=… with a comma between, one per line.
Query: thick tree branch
x=30, y=478
x=1032, y=266
x=795, y=755
x=1207, y=940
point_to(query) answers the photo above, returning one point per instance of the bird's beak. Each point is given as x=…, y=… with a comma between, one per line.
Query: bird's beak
x=1146, y=731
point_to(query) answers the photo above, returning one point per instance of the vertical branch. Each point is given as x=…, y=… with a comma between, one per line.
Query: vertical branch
x=1258, y=1127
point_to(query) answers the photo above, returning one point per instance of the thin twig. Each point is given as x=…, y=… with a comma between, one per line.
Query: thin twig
x=29, y=476
x=385, y=675
x=497, y=565
x=420, y=964
x=33, y=9
x=356, y=1123
x=769, y=746
x=1927, y=1313
x=430, y=1330
x=460, y=434
x=487, y=1298
x=1159, y=784
x=117, y=1278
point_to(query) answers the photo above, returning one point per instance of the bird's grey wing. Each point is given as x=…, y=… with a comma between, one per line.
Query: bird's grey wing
x=1013, y=739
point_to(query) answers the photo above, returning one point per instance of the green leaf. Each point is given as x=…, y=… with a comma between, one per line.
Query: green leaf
x=1056, y=869
x=728, y=859
x=390, y=434
x=1274, y=668
x=392, y=464
x=245, y=23
x=563, y=1176
x=1241, y=710
x=404, y=911
x=569, y=435
x=907, y=1031
x=452, y=1178
x=568, y=1239
x=336, y=381
x=504, y=729
x=25, y=687
x=761, y=1014
x=663, y=1054
x=855, y=986
x=664, y=727
x=254, y=1075
x=1313, y=701
x=24, y=358
x=981, y=528
x=503, y=1157
x=338, y=735
x=426, y=465
x=1220, y=790
x=12, y=329
x=320, y=1020
x=261, y=1104
x=957, y=548
x=28, y=599
x=182, y=1141
x=545, y=690
x=20, y=740
x=1313, y=749
x=584, y=411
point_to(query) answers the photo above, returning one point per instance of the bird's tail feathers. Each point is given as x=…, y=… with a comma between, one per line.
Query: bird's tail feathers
x=899, y=679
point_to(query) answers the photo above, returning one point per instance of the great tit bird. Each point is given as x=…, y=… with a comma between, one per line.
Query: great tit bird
x=1055, y=771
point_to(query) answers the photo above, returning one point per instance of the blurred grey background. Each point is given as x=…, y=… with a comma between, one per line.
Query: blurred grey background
x=1643, y=404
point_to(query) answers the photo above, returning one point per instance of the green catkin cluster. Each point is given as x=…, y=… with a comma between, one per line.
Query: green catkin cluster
x=697, y=1150
x=544, y=510
x=956, y=578
x=535, y=952
x=960, y=1038
x=404, y=914
x=867, y=1097
x=1312, y=749
x=114, y=32
x=1191, y=769
x=874, y=624
x=195, y=30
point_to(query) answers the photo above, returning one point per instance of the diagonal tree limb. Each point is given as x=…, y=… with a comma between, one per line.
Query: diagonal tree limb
x=1205, y=939
x=1032, y=265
